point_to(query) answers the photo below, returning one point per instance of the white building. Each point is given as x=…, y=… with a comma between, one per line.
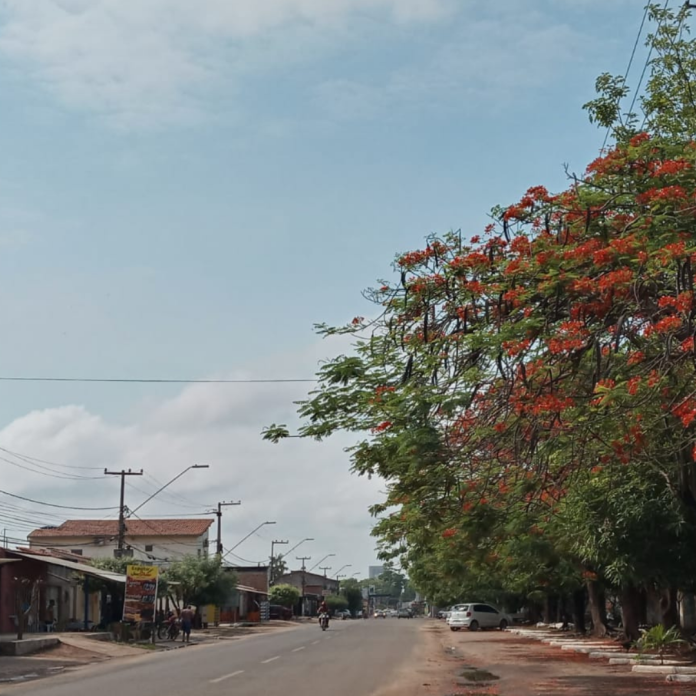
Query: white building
x=156, y=540
x=375, y=571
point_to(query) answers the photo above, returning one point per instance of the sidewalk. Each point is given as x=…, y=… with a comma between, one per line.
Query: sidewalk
x=498, y=663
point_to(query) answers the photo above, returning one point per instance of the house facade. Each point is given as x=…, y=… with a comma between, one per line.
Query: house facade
x=162, y=540
x=312, y=587
x=31, y=579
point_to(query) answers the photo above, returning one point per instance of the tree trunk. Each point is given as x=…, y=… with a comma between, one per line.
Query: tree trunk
x=669, y=608
x=597, y=609
x=579, y=611
x=549, y=609
x=631, y=609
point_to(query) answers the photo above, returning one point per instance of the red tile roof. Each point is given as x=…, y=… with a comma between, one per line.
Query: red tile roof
x=54, y=553
x=134, y=528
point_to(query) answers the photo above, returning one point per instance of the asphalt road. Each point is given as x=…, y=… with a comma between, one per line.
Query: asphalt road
x=352, y=658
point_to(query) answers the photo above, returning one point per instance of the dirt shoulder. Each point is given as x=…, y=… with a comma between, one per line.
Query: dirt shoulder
x=494, y=663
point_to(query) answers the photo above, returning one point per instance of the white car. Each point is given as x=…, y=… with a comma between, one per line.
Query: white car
x=475, y=616
x=456, y=607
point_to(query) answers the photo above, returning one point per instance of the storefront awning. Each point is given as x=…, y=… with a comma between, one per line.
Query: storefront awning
x=251, y=590
x=77, y=567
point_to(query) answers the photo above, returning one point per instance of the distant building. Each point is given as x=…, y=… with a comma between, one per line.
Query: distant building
x=375, y=571
x=315, y=587
x=156, y=540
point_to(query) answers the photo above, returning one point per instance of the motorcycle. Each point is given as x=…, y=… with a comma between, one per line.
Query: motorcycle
x=324, y=621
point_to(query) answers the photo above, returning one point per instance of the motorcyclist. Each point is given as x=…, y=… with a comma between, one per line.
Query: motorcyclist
x=324, y=609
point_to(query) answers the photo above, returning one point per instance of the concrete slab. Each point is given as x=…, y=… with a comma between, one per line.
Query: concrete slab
x=682, y=678
x=663, y=669
x=632, y=660
x=27, y=646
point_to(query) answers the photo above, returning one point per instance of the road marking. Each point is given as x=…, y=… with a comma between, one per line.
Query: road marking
x=227, y=676
x=270, y=659
x=298, y=649
x=316, y=642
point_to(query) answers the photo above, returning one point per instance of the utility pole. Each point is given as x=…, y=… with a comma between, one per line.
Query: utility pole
x=122, y=507
x=219, y=524
x=304, y=560
x=326, y=569
x=274, y=543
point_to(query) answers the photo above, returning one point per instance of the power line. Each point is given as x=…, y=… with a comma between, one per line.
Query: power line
x=30, y=459
x=628, y=68
x=647, y=62
x=110, y=380
x=48, y=472
x=55, y=505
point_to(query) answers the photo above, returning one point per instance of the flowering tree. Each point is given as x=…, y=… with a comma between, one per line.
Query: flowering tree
x=529, y=394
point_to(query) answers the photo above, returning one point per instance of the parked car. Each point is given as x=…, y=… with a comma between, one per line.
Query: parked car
x=404, y=614
x=475, y=616
x=276, y=612
x=343, y=614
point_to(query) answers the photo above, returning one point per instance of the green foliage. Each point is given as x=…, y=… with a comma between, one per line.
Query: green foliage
x=528, y=395
x=350, y=589
x=336, y=603
x=200, y=581
x=660, y=640
x=278, y=568
x=285, y=595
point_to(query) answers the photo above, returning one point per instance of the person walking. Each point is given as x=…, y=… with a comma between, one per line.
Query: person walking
x=51, y=616
x=186, y=624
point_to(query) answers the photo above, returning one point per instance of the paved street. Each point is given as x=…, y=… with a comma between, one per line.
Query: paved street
x=353, y=658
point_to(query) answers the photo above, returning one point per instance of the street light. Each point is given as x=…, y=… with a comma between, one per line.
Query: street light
x=166, y=485
x=347, y=565
x=239, y=543
x=299, y=543
x=328, y=555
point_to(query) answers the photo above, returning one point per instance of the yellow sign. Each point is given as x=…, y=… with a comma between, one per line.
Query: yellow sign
x=141, y=593
x=142, y=572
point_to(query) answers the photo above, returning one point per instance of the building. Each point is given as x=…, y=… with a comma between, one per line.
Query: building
x=375, y=571
x=33, y=578
x=250, y=595
x=145, y=540
x=312, y=586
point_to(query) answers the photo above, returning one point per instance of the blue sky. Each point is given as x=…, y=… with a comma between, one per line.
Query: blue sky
x=185, y=188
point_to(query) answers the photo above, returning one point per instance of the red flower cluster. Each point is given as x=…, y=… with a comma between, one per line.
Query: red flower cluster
x=616, y=279
x=470, y=261
x=682, y=303
x=382, y=427
x=668, y=194
x=664, y=326
x=636, y=358
x=633, y=384
x=572, y=336
x=670, y=167
x=514, y=348
x=448, y=533
x=686, y=412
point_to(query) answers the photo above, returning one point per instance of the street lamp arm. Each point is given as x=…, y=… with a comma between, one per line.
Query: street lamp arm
x=239, y=543
x=299, y=543
x=328, y=555
x=166, y=485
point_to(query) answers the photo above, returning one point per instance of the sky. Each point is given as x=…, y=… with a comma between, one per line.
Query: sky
x=186, y=188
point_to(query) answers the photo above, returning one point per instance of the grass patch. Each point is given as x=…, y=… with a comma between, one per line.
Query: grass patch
x=478, y=675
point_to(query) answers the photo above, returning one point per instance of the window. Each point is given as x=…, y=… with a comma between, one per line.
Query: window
x=148, y=547
x=77, y=552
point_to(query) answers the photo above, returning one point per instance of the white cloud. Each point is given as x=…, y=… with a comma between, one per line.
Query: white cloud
x=489, y=62
x=144, y=62
x=306, y=487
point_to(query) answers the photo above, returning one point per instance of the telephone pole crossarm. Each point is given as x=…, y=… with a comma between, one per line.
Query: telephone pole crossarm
x=218, y=514
x=122, y=506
